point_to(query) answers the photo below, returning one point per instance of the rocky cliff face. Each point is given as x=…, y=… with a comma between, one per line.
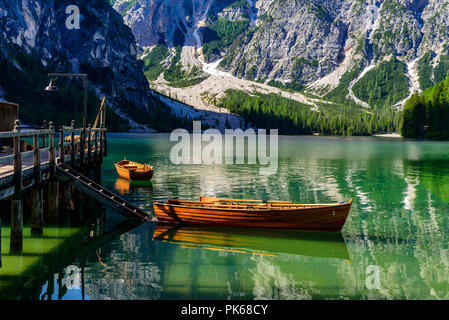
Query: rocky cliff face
x=310, y=42
x=103, y=47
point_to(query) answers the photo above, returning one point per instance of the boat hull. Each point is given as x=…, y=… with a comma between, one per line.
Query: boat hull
x=327, y=218
x=134, y=175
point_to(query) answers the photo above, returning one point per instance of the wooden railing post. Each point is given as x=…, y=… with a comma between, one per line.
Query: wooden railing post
x=37, y=209
x=105, y=143
x=89, y=146
x=82, y=146
x=44, y=137
x=105, y=133
x=51, y=150
x=17, y=159
x=72, y=142
x=16, y=238
x=96, y=147
x=36, y=160
x=61, y=146
x=101, y=143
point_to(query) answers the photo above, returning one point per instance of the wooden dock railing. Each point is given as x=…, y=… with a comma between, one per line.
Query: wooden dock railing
x=70, y=146
x=20, y=151
x=35, y=167
x=14, y=170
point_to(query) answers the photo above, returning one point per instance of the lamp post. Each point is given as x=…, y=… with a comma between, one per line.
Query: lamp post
x=52, y=88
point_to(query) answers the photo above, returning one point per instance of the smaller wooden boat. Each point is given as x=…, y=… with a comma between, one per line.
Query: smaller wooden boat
x=131, y=170
x=255, y=214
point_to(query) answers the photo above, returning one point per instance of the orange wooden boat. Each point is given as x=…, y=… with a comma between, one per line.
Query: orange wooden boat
x=134, y=171
x=255, y=214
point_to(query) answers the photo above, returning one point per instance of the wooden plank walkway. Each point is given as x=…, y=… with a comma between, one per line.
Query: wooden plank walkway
x=7, y=169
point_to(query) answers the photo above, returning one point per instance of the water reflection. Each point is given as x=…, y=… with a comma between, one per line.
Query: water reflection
x=254, y=241
x=124, y=186
x=51, y=266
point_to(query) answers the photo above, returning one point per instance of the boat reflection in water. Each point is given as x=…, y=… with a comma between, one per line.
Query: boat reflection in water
x=254, y=241
x=124, y=186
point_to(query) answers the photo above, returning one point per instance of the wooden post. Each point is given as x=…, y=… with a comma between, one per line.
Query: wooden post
x=105, y=143
x=17, y=159
x=51, y=150
x=61, y=146
x=52, y=190
x=105, y=133
x=101, y=143
x=82, y=146
x=66, y=195
x=16, y=238
x=89, y=146
x=37, y=209
x=96, y=147
x=44, y=137
x=72, y=143
x=53, y=198
x=36, y=160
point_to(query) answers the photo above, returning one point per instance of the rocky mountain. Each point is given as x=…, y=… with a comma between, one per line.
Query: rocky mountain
x=35, y=34
x=330, y=48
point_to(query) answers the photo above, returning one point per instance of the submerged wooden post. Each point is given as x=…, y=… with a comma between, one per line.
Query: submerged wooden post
x=16, y=238
x=37, y=209
x=52, y=190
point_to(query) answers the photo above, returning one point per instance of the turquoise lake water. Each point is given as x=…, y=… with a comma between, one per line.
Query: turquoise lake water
x=394, y=244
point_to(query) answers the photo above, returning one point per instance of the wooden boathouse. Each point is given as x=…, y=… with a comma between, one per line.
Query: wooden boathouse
x=43, y=166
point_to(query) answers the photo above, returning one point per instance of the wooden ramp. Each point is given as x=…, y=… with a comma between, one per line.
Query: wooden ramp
x=101, y=194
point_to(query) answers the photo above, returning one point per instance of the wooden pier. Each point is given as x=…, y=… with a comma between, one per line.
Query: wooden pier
x=38, y=171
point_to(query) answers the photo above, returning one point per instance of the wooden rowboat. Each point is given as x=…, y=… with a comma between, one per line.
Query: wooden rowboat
x=134, y=171
x=255, y=214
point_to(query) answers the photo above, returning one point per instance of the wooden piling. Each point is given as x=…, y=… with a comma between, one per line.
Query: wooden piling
x=66, y=196
x=16, y=238
x=37, y=208
x=52, y=186
x=53, y=198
